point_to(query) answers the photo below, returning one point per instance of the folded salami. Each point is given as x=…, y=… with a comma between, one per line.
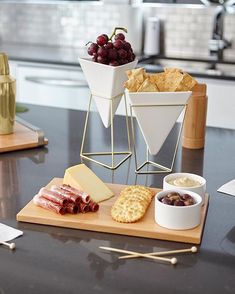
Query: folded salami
x=65, y=199
x=53, y=196
x=48, y=204
x=84, y=207
x=93, y=206
x=72, y=208
x=85, y=197
x=68, y=195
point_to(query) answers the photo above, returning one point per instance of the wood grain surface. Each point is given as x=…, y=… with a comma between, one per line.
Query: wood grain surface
x=101, y=221
x=22, y=138
x=195, y=119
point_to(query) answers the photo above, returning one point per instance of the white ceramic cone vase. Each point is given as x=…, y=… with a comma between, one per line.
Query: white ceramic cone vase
x=106, y=85
x=156, y=114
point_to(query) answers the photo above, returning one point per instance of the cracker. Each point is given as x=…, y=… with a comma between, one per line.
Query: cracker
x=172, y=70
x=159, y=80
x=131, y=204
x=147, y=86
x=187, y=83
x=132, y=85
x=139, y=74
x=171, y=80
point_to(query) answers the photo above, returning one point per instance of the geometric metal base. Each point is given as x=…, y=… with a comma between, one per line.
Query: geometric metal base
x=109, y=154
x=161, y=168
x=88, y=156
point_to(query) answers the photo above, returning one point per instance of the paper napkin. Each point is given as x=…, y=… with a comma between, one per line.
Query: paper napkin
x=228, y=188
x=8, y=233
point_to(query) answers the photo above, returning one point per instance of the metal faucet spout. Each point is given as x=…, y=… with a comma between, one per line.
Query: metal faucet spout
x=218, y=26
x=217, y=44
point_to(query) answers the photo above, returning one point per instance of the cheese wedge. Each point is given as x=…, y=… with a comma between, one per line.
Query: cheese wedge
x=83, y=178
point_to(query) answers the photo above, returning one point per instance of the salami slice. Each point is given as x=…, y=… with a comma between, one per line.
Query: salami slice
x=76, y=199
x=84, y=207
x=93, y=206
x=49, y=205
x=53, y=196
x=72, y=208
x=85, y=197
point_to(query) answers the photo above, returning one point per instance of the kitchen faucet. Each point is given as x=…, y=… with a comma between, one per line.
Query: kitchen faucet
x=217, y=44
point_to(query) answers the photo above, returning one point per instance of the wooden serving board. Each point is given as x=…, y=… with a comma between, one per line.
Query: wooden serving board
x=101, y=221
x=23, y=137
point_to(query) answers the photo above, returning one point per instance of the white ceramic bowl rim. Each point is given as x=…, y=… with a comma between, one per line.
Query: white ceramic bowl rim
x=198, y=178
x=157, y=93
x=105, y=65
x=195, y=196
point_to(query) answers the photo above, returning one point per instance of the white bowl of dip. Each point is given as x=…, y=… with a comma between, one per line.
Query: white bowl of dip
x=186, y=181
x=178, y=217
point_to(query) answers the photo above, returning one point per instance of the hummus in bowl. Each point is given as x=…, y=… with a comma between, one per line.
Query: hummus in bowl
x=186, y=181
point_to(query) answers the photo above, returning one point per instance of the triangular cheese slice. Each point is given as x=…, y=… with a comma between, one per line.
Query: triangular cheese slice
x=83, y=178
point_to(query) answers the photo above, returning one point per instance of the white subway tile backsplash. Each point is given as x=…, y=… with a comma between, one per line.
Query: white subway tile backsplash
x=187, y=29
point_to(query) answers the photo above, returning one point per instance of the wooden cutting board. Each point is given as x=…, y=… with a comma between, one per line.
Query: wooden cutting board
x=101, y=221
x=22, y=138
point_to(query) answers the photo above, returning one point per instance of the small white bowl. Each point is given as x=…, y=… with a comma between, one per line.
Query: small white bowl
x=199, y=189
x=178, y=217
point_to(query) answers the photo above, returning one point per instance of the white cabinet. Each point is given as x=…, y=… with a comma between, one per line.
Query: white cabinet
x=51, y=85
x=13, y=68
x=221, y=103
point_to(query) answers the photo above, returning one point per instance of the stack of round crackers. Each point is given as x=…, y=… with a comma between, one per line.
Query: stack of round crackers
x=131, y=204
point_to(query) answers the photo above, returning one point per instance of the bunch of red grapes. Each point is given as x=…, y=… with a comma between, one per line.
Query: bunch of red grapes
x=113, y=51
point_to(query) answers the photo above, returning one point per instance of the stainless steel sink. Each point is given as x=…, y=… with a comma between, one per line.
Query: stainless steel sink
x=193, y=67
x=218, y=2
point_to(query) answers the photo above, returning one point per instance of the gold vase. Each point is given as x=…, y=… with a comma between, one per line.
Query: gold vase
x=7, y=97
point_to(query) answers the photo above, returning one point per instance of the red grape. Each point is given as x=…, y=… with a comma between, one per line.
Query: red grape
x=129, y=56
x=109, y=45
x=112, y=54
x=94, y=58
x=102, y=52
x=113, y=63
x=102, y=40
x=102, y=60
x=122, y=61
x=126, y=45
x=118, y=44
x=92, y=48
x=119, y=36
x=112, y=51
x=122, y=54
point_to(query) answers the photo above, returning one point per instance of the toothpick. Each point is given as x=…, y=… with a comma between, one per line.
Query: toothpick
x=170, y=260
x=162, y=253
x=11, y=246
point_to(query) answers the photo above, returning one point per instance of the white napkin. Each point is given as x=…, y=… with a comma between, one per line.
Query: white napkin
x=228, y=188
x=8, y=233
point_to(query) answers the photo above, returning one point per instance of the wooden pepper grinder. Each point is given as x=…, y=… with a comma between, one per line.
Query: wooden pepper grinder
x=195, y=119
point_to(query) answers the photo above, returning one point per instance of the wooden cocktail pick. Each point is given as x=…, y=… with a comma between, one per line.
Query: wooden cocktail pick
x=172, y=260
x=11, y=246
x=162, y=253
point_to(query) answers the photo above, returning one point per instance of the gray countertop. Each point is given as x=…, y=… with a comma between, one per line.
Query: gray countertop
x=59, y=260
